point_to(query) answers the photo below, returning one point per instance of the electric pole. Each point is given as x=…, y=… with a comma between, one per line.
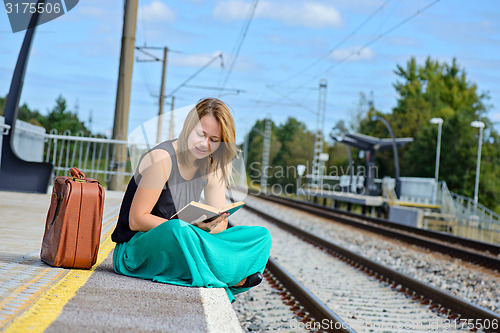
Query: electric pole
x=90, y=121
x=162, y=86
x=171, y=134
x=318, y=163
x=162, y=95
x=120, y=126
x=265, y=156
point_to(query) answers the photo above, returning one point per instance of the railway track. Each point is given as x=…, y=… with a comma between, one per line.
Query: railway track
x=438, y=308
x=479, y=253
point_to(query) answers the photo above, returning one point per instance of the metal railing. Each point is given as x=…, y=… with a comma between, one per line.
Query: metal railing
x=95, y=156
x=5, y=129
x=457, y=213
x=476, y=220
x=444, y=198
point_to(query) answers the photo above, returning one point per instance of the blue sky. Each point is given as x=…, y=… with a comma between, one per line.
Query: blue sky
x=286, y=52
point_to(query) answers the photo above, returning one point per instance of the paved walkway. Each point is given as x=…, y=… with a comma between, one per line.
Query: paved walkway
x=35, y=297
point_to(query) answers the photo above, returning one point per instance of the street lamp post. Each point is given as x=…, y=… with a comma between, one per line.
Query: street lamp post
x=300, y=170
x=480, y=125
x=396, y=158
x=439, y=122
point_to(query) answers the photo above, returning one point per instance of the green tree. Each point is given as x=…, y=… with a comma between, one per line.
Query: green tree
x=442, y=90
x=62, y=119
x=286, y=133
x=291, y=144
x=296, y=148
x=2, y=104
x=255, y=148
x=24, y=113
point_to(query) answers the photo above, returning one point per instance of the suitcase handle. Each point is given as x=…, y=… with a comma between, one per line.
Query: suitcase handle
x=77, y=173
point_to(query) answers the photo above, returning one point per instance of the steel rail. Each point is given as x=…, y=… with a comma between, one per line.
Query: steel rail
x=452, y=306
x=296, y=293
x=421, y=237
x=482, y=246
x=301, y=300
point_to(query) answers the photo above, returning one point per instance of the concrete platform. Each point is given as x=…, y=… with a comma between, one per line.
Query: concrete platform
x=37, y=297
x=358, y=199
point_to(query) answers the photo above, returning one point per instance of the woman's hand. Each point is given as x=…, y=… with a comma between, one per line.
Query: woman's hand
x=209, y=226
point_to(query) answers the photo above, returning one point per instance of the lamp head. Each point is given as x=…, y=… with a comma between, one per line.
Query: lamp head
x=300, y=169
x=338, y=138
x=436, y=121
x=477, y=124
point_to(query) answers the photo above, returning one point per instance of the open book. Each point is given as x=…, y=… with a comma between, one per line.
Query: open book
x=194, y=210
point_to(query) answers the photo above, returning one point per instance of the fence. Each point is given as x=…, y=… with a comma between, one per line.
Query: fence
x=475, y=220
x=96, y=157
x=4, y=129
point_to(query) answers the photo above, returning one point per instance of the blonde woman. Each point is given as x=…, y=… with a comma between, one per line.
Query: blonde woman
x=169, y=176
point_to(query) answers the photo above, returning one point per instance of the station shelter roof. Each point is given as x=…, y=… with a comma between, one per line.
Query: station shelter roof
x=366, y=142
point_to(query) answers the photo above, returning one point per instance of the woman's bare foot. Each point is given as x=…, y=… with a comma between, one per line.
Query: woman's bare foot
x=250, y=281
x=242, y=282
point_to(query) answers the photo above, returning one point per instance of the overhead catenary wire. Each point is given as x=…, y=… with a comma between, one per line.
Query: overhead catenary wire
x=376, y=38
x=237, y=91
x=346, y=38
x=146, y=78
x=140, y=49
x=353, y=53
x=240, y=41
x=156, y=58
x=296, y=102
x=144, y=70
x=218, y=56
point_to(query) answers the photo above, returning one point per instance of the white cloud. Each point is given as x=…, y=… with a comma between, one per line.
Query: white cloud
x=355, y=53
x=243, y=64
x=156, y=11
x=307, y=14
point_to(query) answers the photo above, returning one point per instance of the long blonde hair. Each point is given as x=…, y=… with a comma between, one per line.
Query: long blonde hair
x=227, y=150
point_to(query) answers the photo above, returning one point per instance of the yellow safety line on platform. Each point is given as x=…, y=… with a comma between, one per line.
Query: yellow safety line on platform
x=417, y=204
x=13, y=297
x=18, y=291
x=50, y=304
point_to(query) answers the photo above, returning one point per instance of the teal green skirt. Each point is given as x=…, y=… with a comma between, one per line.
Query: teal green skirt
x=179, y=253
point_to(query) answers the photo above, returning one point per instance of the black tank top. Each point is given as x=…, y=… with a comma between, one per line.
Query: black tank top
x=176, y=193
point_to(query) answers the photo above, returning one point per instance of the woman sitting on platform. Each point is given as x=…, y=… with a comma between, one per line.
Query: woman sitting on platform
x=168, y=177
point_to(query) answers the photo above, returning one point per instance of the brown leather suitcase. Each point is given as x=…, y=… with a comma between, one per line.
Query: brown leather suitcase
x=73, y=226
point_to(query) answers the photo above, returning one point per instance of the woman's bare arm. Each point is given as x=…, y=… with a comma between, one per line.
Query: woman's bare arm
x=155, y=169
x=215, y=195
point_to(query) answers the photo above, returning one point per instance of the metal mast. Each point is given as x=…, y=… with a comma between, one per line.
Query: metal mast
x=120, y=126
x=318, y=167
x=265, y=156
